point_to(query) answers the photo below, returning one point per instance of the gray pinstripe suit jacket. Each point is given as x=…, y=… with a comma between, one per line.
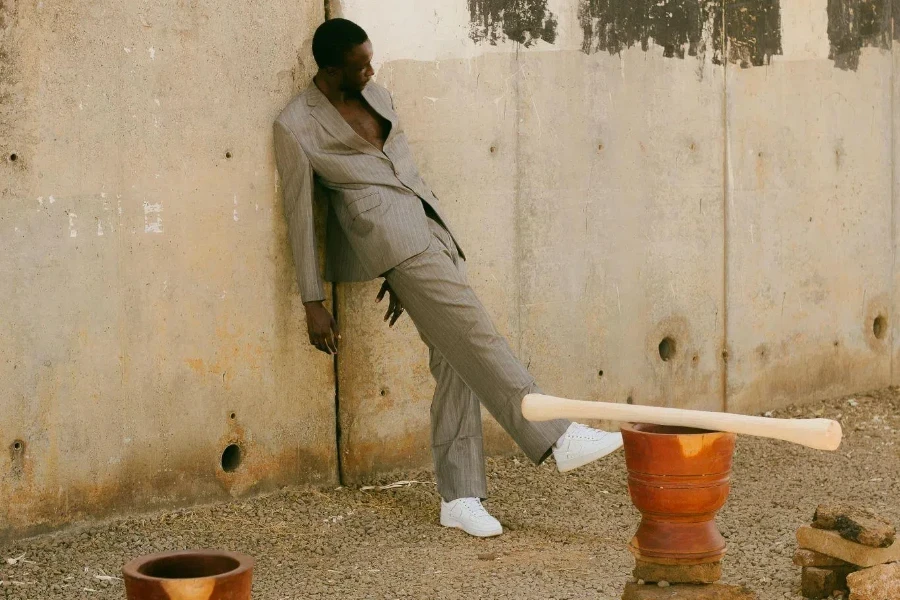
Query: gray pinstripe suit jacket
x=375, y=218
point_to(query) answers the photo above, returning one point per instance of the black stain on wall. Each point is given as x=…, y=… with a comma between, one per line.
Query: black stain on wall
x=676, y=25
x=522, y=21
x=856, y=24
x=752, y=28
x=895, y=17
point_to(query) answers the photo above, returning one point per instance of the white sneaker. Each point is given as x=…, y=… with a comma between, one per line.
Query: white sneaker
x=581, y=444
x=469, y=515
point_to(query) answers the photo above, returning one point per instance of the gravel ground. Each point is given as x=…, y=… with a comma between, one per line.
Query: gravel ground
x=565, y=536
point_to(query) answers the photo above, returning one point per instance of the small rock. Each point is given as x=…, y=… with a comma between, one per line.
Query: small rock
x=855, y=524
x=817, y=583
x=832, y=544
x=811, y=558
x=869, y=531
x=822, y=582
x=878, y=583
x=662, y=583
x=705, y=573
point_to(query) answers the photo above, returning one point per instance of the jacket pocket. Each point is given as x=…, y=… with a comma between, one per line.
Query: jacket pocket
x=363, y=204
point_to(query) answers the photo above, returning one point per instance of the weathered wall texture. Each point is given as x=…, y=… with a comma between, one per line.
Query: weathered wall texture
x=714, y=173
x=686, y=203
x=148, y=315
x=895, y=231
x=809, y=231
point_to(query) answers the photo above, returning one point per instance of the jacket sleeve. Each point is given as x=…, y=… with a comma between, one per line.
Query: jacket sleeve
x=298, y=189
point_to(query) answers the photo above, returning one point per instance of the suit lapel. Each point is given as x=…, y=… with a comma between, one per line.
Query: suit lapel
x=385, y=111
x=329, y=118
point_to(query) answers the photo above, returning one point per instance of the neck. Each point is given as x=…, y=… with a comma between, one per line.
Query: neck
x=330, y=89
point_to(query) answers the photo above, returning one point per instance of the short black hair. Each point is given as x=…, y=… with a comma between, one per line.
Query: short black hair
x=334, y=39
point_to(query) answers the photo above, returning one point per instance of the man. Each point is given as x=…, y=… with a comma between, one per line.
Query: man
x=384, y=221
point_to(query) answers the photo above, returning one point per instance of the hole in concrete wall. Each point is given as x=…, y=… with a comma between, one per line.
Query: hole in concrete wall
x=629, y=400
x=695, y=359
x=493, y=149
x=667, y=348
x=879, y=327
x=383, y=392
x=232, y=416
x=13, y=157
x=599, y=146
x=600, y=373
x=231, y=458
x=17, y=457
x=228, y=154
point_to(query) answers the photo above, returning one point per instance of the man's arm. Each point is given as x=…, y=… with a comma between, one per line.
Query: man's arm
x=297, y=186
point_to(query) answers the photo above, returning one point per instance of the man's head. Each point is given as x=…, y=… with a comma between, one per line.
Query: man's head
x=344, y=54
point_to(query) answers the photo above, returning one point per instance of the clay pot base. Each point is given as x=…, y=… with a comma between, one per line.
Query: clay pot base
x=678, y=478
x=194, y=574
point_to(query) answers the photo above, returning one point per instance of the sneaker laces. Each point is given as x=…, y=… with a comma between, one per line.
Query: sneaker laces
x=474, y=506
x=579, y=431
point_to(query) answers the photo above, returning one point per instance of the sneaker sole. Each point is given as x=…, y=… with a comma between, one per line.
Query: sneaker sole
x=567, y=466
x=453, y=524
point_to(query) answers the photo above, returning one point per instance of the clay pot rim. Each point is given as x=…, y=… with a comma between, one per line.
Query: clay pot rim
x=633, y=428
x=245, y=563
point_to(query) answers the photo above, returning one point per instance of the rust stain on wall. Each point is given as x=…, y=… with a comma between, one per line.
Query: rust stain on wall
x=813, y=374
x=857, y=24
x=145, y=480
x=744, y=33
x=9, y=78
x=522, y=21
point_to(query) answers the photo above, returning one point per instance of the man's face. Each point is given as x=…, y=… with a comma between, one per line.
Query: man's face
x=357, y=70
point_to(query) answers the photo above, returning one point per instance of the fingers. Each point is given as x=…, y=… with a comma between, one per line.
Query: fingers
x=331, y=343
x=398, y=312
x=392, y=306
x=324, y=343
x=384, y=288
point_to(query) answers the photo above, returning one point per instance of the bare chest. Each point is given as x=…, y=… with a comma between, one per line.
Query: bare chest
x=366, y=122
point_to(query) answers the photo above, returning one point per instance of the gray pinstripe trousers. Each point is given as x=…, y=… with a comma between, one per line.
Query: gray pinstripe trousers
x=470, y=361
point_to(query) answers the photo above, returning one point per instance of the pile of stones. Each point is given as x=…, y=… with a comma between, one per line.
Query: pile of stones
x=848, y=552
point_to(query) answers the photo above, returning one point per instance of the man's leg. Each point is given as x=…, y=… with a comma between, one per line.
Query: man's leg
x=447, y=312
x=456, y=442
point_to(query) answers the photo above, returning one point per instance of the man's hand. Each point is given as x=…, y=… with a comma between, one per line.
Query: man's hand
x=395, y=309
x=323, y=330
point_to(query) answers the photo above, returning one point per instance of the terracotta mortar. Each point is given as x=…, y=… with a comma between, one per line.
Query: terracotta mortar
x=189, y=575
x=679, y=479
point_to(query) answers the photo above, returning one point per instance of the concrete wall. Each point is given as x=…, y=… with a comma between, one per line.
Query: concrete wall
x=718, y=175
x=148, y=315
x=621, y=173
